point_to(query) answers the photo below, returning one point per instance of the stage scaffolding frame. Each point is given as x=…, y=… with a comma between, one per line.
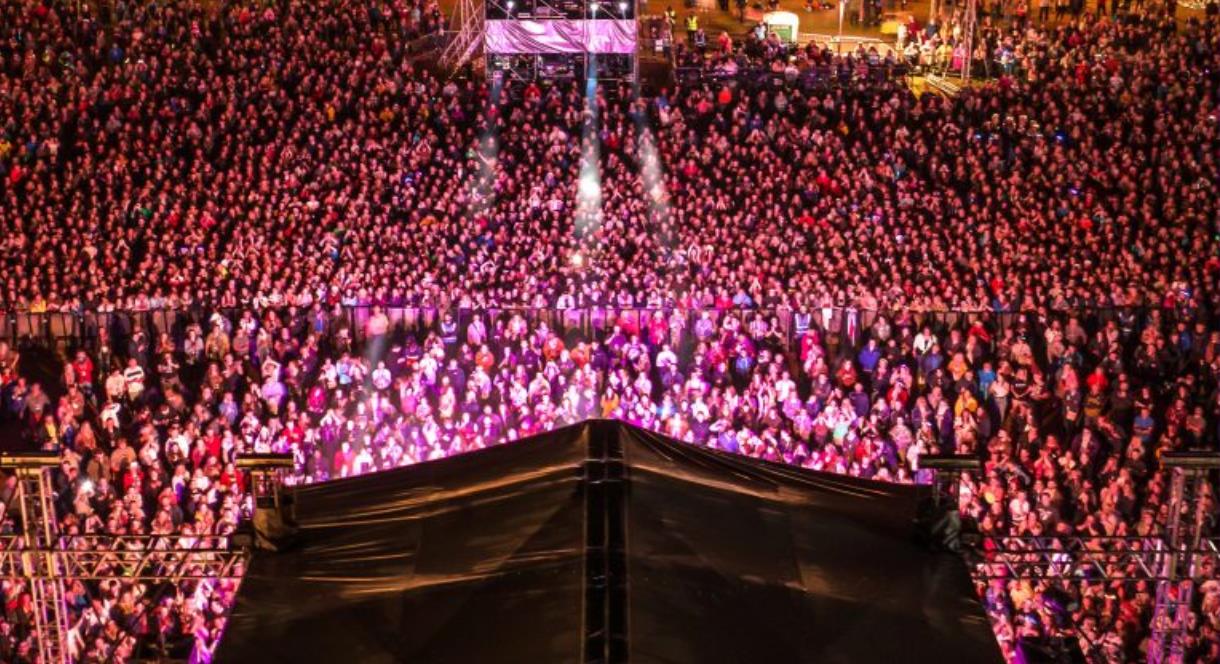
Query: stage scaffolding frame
x=469, y=21
x=144, y=557
x=1109, y=558
x=970, y=19
x=544, y=9
x=467, y=42
x=1175, y=588
x=1172, y=561
x=47, y=560
x=35, y=499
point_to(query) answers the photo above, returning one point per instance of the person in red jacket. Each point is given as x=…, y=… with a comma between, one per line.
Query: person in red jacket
x=82, y=366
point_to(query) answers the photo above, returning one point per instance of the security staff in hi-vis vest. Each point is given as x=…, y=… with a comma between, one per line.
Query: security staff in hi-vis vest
x=692, y=26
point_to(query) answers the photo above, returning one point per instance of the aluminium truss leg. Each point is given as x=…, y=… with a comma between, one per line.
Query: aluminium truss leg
x=1172, y=596
x=968, y=41
x=46, y=584
x=468, y=40
x=51, y=619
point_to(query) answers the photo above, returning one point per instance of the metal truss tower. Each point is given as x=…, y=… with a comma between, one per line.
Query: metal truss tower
x=1172, y=561
x=970, y=20
x=35, y=498
x=467, y=41
x=46, y=560
x=1187, y=549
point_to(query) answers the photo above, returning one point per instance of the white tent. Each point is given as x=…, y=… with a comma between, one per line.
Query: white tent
x=784, y=24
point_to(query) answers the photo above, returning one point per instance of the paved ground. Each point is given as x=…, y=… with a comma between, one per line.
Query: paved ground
x=825, y=22
x=819, y=21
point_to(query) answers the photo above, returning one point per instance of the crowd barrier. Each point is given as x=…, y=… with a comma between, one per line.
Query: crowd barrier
x=811, y=78
x=781, y=328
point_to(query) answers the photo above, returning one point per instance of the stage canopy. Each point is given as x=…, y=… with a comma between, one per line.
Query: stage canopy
x=605, y=543
x=560, y=36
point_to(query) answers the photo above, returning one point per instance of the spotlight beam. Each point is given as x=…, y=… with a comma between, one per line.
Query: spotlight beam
x=589, y=189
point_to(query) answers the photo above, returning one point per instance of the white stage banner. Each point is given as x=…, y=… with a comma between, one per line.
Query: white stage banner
x=560, y=36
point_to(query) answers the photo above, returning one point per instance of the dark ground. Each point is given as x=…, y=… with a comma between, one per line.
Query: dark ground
x=37, y=365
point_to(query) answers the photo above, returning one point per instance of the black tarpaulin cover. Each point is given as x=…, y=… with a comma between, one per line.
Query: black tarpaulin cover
x=603, y=542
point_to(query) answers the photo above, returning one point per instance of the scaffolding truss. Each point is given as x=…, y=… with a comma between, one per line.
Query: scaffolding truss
x=549, y=9
x=970, y=20
x=142, y=557
x=467, y=42
x=37, y=510
x=1174, y=591
x=1173, y=562
x=470, y=23
x=46, y=559
x=1081, y=558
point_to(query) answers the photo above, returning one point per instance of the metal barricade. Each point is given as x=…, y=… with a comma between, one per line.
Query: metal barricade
x=834, y=324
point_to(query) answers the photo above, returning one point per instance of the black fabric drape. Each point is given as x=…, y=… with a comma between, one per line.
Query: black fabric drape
x=734, y=560
x=483, y=558
x=470, y=559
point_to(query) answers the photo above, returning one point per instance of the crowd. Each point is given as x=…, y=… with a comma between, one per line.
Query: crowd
x=287, y=235
x=137, y=177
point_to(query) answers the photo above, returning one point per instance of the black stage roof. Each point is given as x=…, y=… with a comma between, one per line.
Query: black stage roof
x=602, y=542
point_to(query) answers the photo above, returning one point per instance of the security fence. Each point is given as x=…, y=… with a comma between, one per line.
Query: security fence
x=779, y=328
